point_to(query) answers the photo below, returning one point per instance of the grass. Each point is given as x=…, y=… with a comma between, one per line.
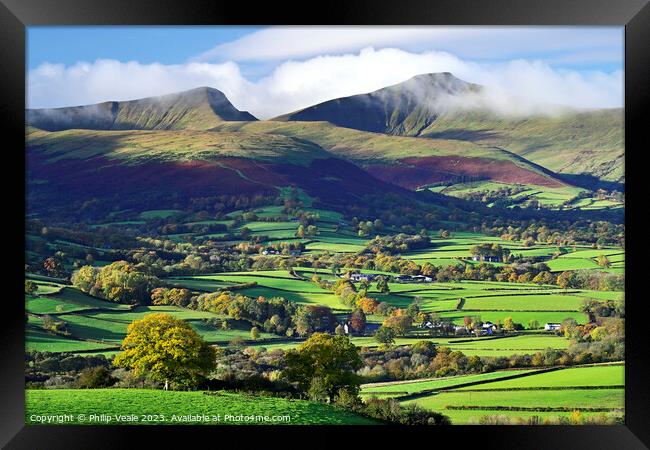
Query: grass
x=469, y=417
x=574, y=399
x=521, y=317
x=613, y=375
x=534, y=397
x=563, y=264
x=143, y=402
x=398, y=388
x=525, y=342
x=313, y=298
x=551, y=302
x=46, y=305
x=546, y=196
x=36, y=340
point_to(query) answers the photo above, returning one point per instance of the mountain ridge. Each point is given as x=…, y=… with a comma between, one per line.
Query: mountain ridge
x=198, y=108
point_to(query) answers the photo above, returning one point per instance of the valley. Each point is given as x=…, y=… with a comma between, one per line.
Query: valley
x=463, y=273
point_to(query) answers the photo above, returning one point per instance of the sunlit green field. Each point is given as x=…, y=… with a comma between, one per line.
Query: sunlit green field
x=590, y=389
x=398, y=388
x=165, y=404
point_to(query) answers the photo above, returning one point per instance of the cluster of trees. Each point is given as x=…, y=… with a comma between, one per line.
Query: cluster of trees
x=50, y=369
x=501, y=197
x=482, y=251
x=367, y=227
x=306, y=231
x=602, y=329
x=119, y=282
x=398, y=243
x=173, y=296
x=596, y=280
x=424, y=360
x=598, y=308
x=275, y=315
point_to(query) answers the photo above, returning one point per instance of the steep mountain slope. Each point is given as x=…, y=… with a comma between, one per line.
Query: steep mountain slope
x=196, y=109
x=157, y=168
x=405, y=108
x=174, y=146
x=579, y=142
x=407, y=161
x=573, y=142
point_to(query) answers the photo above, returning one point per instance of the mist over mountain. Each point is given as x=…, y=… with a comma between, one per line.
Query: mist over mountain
x=405, y=108
x=442, y=106
x=197, y=109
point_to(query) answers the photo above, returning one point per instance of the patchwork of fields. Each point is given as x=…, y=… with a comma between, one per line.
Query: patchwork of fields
x=95, y=326
x=592, y=390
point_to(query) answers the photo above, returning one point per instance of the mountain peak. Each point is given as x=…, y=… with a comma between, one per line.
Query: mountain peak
x=198, y=108
x=404, y=108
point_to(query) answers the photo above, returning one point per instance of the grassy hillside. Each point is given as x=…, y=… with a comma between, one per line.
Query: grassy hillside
x=405, y=108
x=407, y=161
x=195, y=109
x=572, y=142
x=586, y=142
x=222, y=408
x=141, y=146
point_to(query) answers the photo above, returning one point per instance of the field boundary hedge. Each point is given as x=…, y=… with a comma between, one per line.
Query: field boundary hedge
x=545, y=388
x=427, y=392
x=532, y=408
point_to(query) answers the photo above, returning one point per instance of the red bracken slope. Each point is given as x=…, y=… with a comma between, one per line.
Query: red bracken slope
x=411, y=173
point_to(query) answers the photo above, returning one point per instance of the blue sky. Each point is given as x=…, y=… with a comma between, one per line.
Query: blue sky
x=286, y=67
x=167, y=45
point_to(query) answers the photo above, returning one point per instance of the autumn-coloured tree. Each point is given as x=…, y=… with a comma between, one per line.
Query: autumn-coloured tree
x=358, y=321
x=367, y=304
x=165, y=349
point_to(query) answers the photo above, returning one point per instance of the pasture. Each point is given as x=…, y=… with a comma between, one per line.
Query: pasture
x=596, y=389
x=223, y=408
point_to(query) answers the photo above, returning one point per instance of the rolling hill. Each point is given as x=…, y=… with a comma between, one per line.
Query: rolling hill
x=160, y=167
x=195, y=143
x=408, y=161
x=195, y=109
x=571, y=142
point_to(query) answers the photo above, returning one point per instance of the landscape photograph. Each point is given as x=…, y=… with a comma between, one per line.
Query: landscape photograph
x=351, y=225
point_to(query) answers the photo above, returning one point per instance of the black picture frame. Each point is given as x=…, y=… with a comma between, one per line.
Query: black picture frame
x=634, y=15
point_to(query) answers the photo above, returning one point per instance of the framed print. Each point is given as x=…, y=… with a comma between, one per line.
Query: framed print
x=374, y=219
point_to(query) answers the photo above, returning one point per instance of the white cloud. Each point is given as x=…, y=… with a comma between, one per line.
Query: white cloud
x=593, y=44
x=297, y=84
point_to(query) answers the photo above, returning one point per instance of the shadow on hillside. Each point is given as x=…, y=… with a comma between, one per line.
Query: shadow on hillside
x=463, y=135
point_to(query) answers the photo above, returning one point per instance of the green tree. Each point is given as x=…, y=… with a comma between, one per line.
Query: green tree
x=95, y=377
x=301, y=232
x=255, y=333
x=166, y=349
x=382, y=285
x=602, y=261
x=385, y=336
x=324, y=363
x=30, y=287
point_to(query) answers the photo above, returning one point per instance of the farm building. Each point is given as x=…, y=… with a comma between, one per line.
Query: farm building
x=552, y=326
x=413, y=279
x=362, y=276
x=485, y=258
x=489, y=327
